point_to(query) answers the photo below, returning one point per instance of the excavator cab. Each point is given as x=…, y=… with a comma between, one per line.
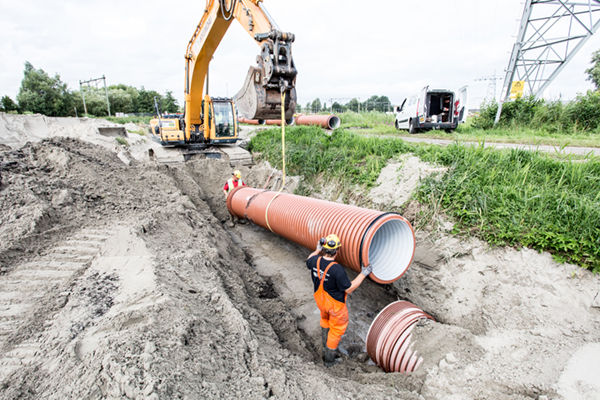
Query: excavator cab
x=222, y=121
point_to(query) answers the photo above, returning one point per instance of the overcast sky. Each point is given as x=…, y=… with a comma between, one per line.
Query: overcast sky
x=343, y=49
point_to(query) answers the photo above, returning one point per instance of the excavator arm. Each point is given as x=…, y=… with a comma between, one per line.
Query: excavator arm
x=274, y=74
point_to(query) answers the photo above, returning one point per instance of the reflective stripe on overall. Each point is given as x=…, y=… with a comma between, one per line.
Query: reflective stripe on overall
x=230, y=184
x=334, y=314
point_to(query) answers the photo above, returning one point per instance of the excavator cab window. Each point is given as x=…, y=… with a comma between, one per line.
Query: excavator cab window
x=224, y=123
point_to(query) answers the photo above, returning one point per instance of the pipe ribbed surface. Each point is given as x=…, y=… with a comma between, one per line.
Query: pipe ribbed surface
x=389, y=338
x=324, y=121
x=386, y=241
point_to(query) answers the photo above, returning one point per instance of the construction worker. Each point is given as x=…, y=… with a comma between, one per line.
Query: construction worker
x=331, y=287
x=232, y=183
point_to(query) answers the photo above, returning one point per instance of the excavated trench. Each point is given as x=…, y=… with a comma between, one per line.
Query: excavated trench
x=281, y=265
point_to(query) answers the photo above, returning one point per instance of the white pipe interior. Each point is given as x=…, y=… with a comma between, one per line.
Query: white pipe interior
x=391, y=249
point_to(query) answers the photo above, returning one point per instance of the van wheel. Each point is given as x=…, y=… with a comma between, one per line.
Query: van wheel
x=411, y=127
x=449, y=130
x=396, y=124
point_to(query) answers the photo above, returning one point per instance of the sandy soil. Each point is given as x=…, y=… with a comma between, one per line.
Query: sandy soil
x=121, y=279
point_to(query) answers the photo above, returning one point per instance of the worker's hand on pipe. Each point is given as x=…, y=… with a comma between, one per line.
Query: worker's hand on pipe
x=320, y=244
x=366, y=270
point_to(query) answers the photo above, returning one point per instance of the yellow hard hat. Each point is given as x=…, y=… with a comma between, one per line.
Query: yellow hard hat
x=332, y=242
x=237, y=174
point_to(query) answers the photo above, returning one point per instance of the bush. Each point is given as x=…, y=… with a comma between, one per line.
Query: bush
x=581, y=114
x=584, y=112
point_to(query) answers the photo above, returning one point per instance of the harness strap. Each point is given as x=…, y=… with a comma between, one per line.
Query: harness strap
x=321, y=279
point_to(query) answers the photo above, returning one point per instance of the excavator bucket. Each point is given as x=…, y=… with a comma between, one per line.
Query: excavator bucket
x=254, y=101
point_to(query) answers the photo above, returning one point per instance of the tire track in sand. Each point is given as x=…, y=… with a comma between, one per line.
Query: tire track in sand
x=27, y=287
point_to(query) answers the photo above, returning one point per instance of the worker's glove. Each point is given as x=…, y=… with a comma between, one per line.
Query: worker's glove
x=366, y=270
x=320, y=244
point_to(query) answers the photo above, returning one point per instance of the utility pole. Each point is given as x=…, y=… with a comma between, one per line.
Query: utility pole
x=105, y=92
x=83, y=97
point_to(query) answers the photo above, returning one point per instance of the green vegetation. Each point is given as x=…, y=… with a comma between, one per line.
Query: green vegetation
x=134, y=119
x=8, y=105
x=579, y=115
x=527, y=121
x=373, y=103
x=520, y=198
x=43, y=94
x=342, y=158
x=507, y=197
x=122, y=141
x=594, y=71
x=382, y=122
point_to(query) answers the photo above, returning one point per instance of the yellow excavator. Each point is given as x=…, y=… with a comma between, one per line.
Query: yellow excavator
x=213, y=120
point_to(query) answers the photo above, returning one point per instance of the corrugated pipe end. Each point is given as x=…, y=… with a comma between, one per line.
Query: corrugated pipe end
x=388, y=245
x=290, y=121
x=389, y=338
x=333, y=122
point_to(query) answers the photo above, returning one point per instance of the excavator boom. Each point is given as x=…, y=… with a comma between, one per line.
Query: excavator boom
x=274, y=74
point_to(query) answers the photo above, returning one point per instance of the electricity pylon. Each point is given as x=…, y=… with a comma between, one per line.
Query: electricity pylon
x=491, y=89
x=551, y=32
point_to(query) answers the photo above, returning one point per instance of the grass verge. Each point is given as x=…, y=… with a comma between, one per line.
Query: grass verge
x=507, y=197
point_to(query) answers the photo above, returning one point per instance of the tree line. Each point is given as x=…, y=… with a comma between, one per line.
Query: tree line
x=43, y=94
x=373, y=103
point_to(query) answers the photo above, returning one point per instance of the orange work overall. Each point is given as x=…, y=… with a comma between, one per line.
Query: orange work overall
x=334, y=314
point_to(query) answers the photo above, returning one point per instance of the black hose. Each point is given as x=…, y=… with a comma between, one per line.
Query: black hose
x=228, y=11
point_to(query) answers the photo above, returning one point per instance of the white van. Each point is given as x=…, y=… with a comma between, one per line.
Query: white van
x=432, y=109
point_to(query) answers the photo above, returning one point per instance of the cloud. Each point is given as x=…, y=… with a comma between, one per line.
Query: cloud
x=342, y=49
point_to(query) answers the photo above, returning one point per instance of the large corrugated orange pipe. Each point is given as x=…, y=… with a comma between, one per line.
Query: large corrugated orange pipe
x=384, y=240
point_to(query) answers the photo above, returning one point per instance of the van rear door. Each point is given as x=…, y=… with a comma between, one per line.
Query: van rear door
x=422, y=106
x=462, y=105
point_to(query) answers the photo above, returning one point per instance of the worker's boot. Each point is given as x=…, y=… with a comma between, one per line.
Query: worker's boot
x=329, y=356
x=324, y=333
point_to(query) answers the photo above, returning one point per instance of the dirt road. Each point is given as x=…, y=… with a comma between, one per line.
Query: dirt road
x=120, y=279
x=580, y=151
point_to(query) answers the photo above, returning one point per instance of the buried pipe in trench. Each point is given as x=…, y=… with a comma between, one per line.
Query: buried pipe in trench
x=389, y=338
x=385, y=241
